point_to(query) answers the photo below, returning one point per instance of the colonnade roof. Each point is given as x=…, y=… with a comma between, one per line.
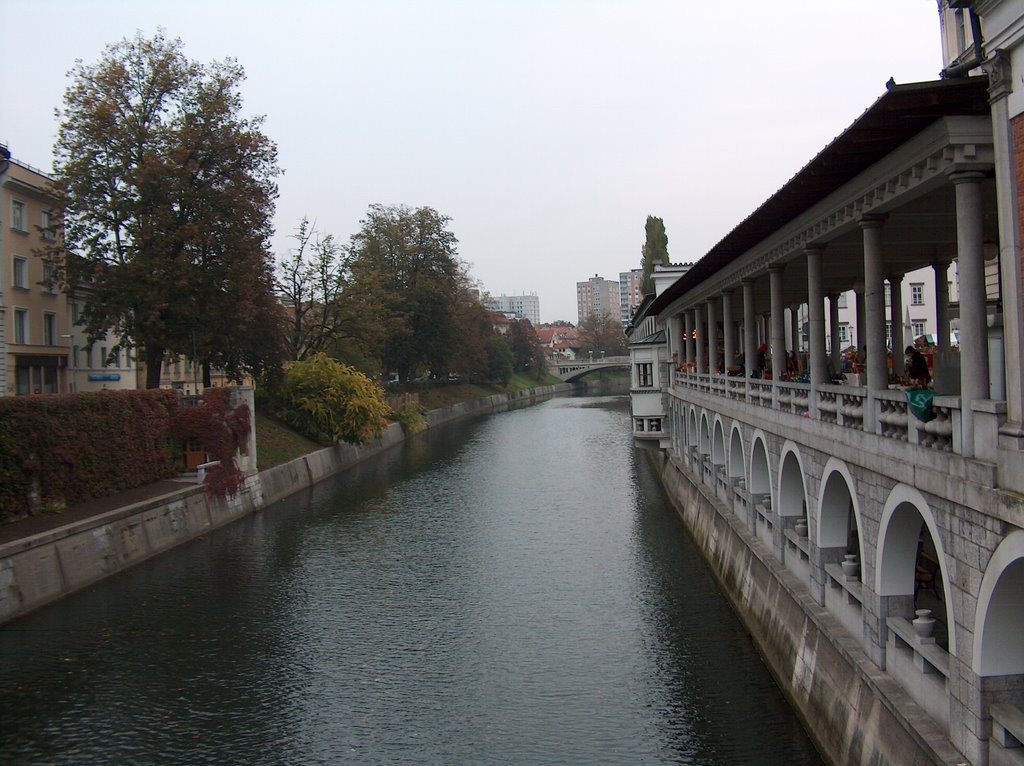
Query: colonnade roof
x=897, y=116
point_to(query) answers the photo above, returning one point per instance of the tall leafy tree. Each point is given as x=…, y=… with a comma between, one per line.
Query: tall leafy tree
x=655, y=251
x=168, y=193
x=408, y=259
x=527, y=352
x=602, y=334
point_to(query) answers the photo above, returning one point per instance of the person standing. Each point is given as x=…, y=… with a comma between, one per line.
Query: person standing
x=917, y=367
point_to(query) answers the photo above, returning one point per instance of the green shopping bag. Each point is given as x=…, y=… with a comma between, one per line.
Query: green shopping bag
x=920, y=402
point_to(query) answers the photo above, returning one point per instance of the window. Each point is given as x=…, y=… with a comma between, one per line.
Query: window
x=639, y=424
x=88, y=357
x=21, y=326
x=645, y=375
x=654, y=424
x=18, y=215
x=20, y=278
x=918, y=327
x=46, y=225
x=117, y=357
x=74, y=356
x=103, y=355
x=49, y=329
x=888, y=334
x=49, y=279
x=844, y=333
x=74, y=312
x=917, y=295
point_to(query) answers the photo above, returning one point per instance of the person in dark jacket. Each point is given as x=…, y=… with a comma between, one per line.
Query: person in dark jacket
x=917, y=367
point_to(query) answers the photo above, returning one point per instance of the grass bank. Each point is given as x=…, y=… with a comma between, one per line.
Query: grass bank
x=277, y=443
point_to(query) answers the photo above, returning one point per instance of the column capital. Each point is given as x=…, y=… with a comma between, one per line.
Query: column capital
x=895, y=277
x=1000, y=75
x=814, y=249
x=967, y=175
x=727, y=291
x=748, y=281
x=776, y=268
x=871, y=221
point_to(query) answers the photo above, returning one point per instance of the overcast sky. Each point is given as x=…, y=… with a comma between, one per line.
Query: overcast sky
x=548, y=130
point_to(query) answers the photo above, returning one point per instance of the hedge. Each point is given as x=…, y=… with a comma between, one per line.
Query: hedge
x=61, y=449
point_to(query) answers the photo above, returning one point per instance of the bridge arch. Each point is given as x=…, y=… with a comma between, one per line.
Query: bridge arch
x=839, y=517
x=736, y=466
x=792, y=492
x=760, y=471
x=704, y=447
x=691, y=429
x=999, y=621
x=908, y=529
x=718, y=443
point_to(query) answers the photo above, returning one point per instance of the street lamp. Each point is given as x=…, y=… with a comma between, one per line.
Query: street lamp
x=591, y=357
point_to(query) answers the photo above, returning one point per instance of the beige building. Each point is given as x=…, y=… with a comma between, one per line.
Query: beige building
x=597, y=297
x=33, y=315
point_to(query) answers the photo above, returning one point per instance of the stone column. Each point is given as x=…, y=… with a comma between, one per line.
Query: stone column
x=836, y=354
x=973, y=330
x=713, y=336
x=874, y=308
x=1007, y=166
x=688, y=335
x=749, y=329
x=857, y=341
x=816, y=319
x=701, y=342
x=778, y=323
x=728, y=329
x=941, y=270
x=675, y=340
x=896, y=322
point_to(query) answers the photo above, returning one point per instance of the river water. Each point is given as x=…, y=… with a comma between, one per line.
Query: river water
x=511, y=590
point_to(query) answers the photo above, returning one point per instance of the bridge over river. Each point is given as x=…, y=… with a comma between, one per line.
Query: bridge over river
x=574, y=369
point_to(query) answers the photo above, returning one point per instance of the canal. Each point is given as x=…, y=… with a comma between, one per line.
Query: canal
x=510, y=590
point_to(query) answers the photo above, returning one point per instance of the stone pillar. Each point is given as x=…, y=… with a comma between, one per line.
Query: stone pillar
x=778, y=322
x=1007, y=164
x=858, y=304
x=836, y=352
x=728, y=329
x=816, y=319
x=675, y=340
x=713, y=336
x=941, y=270
x=795, y=328
x=874, y=308
x=749, y=328
x=896, y=322
x=688, y=335
x=973, y=329
x=701, y=343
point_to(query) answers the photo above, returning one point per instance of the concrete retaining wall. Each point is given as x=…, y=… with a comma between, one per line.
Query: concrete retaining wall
x=37, y=570
x=856, y=713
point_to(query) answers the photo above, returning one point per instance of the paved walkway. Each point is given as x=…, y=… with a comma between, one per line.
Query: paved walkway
x=33, y=525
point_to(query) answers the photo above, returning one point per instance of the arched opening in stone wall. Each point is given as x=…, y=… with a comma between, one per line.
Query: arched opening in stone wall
x=736, y=467
x=692, y=429
x=718, y=445
x=705, y=436
x=999, y=633
x=792, y=497
x=760, y=476
x=838, y=530
x=911, y=569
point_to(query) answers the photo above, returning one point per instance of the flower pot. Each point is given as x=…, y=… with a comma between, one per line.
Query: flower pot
x=800, y=528
x=849, y=564
x=924, y=625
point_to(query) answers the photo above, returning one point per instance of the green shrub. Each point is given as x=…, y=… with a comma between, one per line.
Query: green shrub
x=330, y=402
x=410, y=417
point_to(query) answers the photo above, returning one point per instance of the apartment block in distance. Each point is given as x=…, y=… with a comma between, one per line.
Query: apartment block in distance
x=597, y=297
x=522, y=306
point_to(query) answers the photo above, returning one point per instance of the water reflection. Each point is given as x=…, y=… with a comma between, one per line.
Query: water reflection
x=510, y=590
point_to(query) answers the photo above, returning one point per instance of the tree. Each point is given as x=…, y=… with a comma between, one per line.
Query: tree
x=168, y=195
x=602, y=334
x=654, y=252
x=408, y=260
x=527, y=352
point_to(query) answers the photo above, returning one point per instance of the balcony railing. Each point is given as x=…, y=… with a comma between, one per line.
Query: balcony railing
x=885, y=413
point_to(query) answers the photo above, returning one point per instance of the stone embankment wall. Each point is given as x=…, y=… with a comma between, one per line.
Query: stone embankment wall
x=39, y=569
x=855, y=713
